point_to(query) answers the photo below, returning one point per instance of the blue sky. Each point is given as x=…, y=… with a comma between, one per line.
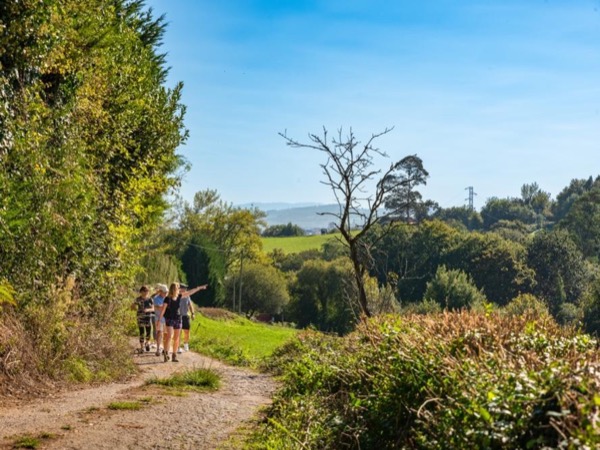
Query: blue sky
x=491, y=94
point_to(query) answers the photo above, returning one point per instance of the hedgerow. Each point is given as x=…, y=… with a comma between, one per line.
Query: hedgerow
x=88, y=140
x=444, y=381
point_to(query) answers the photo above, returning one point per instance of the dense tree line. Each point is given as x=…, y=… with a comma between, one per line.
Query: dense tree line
x=502, y=257
x=88, y=138
x=283, y=231
x=526, y=249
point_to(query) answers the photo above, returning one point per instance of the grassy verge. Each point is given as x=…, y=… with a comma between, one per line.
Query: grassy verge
x=237, y=340
x=437, y=382
x=194, y=379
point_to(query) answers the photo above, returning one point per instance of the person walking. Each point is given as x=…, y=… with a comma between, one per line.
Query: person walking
x=172, y=316
x=145, y=315
x=186, y=309
x=158, y=300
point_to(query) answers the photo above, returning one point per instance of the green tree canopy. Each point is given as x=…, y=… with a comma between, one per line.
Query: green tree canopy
x=283, y=230
x=566, y=197
x=88, y=141
x=321, y=296
x=404, y=199
x=591, y=308
x=453, y=289
x=583, y=222
x=560, y=270
x=498, y=267
x=533, y=197
x=204, y=263
x=234, y=231
x=509, y=209
x=88, y=137
x=470, y=219
x=263, y=289
x=409, y=256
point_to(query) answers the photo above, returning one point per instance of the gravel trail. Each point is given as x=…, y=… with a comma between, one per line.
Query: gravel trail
x=80, y=419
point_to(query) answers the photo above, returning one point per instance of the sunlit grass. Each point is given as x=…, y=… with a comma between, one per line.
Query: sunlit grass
x=194, y=379
x=296, y=244
x=28, y=441
x=125, y=405
x=237, y=341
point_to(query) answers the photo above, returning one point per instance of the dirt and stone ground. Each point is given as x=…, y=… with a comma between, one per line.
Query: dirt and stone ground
x=80, y=419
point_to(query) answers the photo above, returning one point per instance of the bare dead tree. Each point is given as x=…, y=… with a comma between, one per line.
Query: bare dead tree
x=349, y=172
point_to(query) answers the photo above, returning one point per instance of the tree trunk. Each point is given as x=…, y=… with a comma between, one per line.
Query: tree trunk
x=360, y=282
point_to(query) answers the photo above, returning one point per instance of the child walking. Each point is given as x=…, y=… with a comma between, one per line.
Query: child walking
x=145, y=314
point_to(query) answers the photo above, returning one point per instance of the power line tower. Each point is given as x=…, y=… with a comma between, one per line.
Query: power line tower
x=472, y=194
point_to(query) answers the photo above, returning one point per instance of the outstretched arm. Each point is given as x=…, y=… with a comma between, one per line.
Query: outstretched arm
x=193, y=291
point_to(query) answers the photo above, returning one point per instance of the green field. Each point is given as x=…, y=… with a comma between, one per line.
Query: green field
x=296, y=244
x=234, y=339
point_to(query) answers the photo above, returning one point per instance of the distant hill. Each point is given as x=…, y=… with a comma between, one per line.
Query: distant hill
x=270, y=206
x=307, y=217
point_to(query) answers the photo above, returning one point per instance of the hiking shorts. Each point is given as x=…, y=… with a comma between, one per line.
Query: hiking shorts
x=175, y=323
x=185, y=322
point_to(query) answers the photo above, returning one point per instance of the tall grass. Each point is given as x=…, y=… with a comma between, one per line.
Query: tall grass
x=58, y=336
x=237, y=340
x=444, y=381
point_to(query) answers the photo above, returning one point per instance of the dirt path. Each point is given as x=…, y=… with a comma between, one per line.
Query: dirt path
x=81, y=420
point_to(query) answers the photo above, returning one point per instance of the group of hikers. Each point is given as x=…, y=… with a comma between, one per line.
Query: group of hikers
x=161, y=317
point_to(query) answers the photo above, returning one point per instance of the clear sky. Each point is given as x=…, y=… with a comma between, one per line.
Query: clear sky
x=488, y=93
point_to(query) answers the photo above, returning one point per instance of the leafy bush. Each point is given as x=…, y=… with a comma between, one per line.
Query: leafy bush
x=453, y=380
x=591, y=309
x=60, y=337
x=453, y=289
x=320, y=296
x=528, y=305
x=264, y=289
x=7, y=293
x=424, y=307
x=569, y=314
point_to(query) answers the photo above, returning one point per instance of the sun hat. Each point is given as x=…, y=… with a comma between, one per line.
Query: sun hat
x=162, y=288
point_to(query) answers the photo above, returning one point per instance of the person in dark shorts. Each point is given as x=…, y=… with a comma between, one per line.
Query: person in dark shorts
x=172, y=317
x=145, y=316
x=186, y=309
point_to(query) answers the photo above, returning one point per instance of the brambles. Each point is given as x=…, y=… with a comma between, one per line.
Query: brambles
x=452, y=380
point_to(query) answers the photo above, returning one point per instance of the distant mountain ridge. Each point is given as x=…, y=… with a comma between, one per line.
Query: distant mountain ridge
x=271, y=206
x=307, y=217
